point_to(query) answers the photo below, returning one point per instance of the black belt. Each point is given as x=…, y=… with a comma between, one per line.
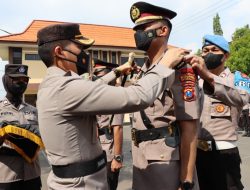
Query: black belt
x=8, y=151
x=80, y=169
x=139, y=136
x=103, y=131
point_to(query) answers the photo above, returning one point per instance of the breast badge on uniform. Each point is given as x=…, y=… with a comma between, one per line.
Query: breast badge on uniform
x=188, y=81
x=220, y=108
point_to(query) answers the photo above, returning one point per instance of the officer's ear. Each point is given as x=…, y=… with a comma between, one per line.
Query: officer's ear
x=226, y=56
x=164, y=31
x=58, y=51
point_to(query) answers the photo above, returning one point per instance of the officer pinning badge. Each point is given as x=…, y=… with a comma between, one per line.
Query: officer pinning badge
x=135, y=13
x=220, y=108
x=188, y=81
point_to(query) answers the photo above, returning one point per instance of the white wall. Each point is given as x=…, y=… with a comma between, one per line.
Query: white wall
x=2, y=91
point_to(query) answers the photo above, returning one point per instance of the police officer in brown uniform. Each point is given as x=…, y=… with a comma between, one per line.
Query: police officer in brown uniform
x=245, y=121
x=110, y=133
x=68, y=105
x=158, y=162
x=218, y=160
x=15, y=172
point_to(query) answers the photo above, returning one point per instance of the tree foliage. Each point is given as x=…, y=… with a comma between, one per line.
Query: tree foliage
x=217, y=26
x=240, y=51
x=198, y=52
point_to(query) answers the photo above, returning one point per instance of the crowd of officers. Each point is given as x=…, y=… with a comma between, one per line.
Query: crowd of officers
x=184, y=123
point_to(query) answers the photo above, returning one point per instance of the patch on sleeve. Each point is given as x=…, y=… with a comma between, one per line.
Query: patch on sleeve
x=188, y=80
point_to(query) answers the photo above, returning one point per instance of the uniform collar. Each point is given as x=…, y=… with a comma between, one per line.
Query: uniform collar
x=58, y=71
x=145, y=67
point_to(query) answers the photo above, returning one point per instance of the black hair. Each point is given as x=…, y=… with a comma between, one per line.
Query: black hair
x=167, y=23
x=45, y=51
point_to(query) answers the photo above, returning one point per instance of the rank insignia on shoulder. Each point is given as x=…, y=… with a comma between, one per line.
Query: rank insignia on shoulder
x=187, y=77
x=188, y=94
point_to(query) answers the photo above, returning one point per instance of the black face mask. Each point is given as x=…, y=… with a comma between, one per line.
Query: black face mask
x=143, y=39
x=213, y=60
x=15, y=89
x=81, y=68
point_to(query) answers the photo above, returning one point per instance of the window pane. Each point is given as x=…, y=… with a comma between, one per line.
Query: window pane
x=140, y=61
x=105, y=56
x=95, y=54
x=113, y=57
x=17, y=55
x=124, y=60
x=32, y=57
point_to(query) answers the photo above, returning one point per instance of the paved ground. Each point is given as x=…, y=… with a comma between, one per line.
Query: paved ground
x=126, y=172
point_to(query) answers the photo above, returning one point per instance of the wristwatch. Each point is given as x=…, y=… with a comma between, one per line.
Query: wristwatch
x=117, y=72
x=118, y=157
x=186, y=185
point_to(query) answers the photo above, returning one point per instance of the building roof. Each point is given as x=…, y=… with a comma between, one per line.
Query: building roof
x=103, y=35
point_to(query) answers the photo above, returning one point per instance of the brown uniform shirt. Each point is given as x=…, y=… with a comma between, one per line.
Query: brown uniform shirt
x=104, y=122
x=176, y=103
x=15, y=168
x=221, y=110
x=67, y=109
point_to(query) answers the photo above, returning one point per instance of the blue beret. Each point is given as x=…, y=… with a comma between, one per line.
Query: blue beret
x=217, y=40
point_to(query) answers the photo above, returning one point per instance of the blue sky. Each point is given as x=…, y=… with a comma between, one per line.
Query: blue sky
x=194, y=19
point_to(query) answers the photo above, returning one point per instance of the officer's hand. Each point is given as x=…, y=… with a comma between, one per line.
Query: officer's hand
x=173, y=56
x=198, y=64
x=126, y=68
x=115, y=166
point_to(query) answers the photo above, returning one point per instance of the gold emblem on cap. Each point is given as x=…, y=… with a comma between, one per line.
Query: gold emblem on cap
x=220, y=108
x=135, y=12
x=21, y=69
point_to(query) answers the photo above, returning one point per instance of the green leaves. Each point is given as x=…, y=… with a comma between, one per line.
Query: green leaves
x=240, y=51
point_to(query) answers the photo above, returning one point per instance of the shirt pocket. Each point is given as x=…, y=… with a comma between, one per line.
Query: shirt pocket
x=32, y=119
x=219, y=109
x=160, y=106
x=158, y=150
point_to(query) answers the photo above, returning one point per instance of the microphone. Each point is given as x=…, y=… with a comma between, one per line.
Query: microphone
x=131, y=57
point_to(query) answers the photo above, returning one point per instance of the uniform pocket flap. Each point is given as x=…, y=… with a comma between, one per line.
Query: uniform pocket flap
x=157, y=150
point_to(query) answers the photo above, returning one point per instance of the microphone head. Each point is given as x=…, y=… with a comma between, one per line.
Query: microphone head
x=131, y=57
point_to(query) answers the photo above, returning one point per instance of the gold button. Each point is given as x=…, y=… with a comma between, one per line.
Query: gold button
x=162, y=156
